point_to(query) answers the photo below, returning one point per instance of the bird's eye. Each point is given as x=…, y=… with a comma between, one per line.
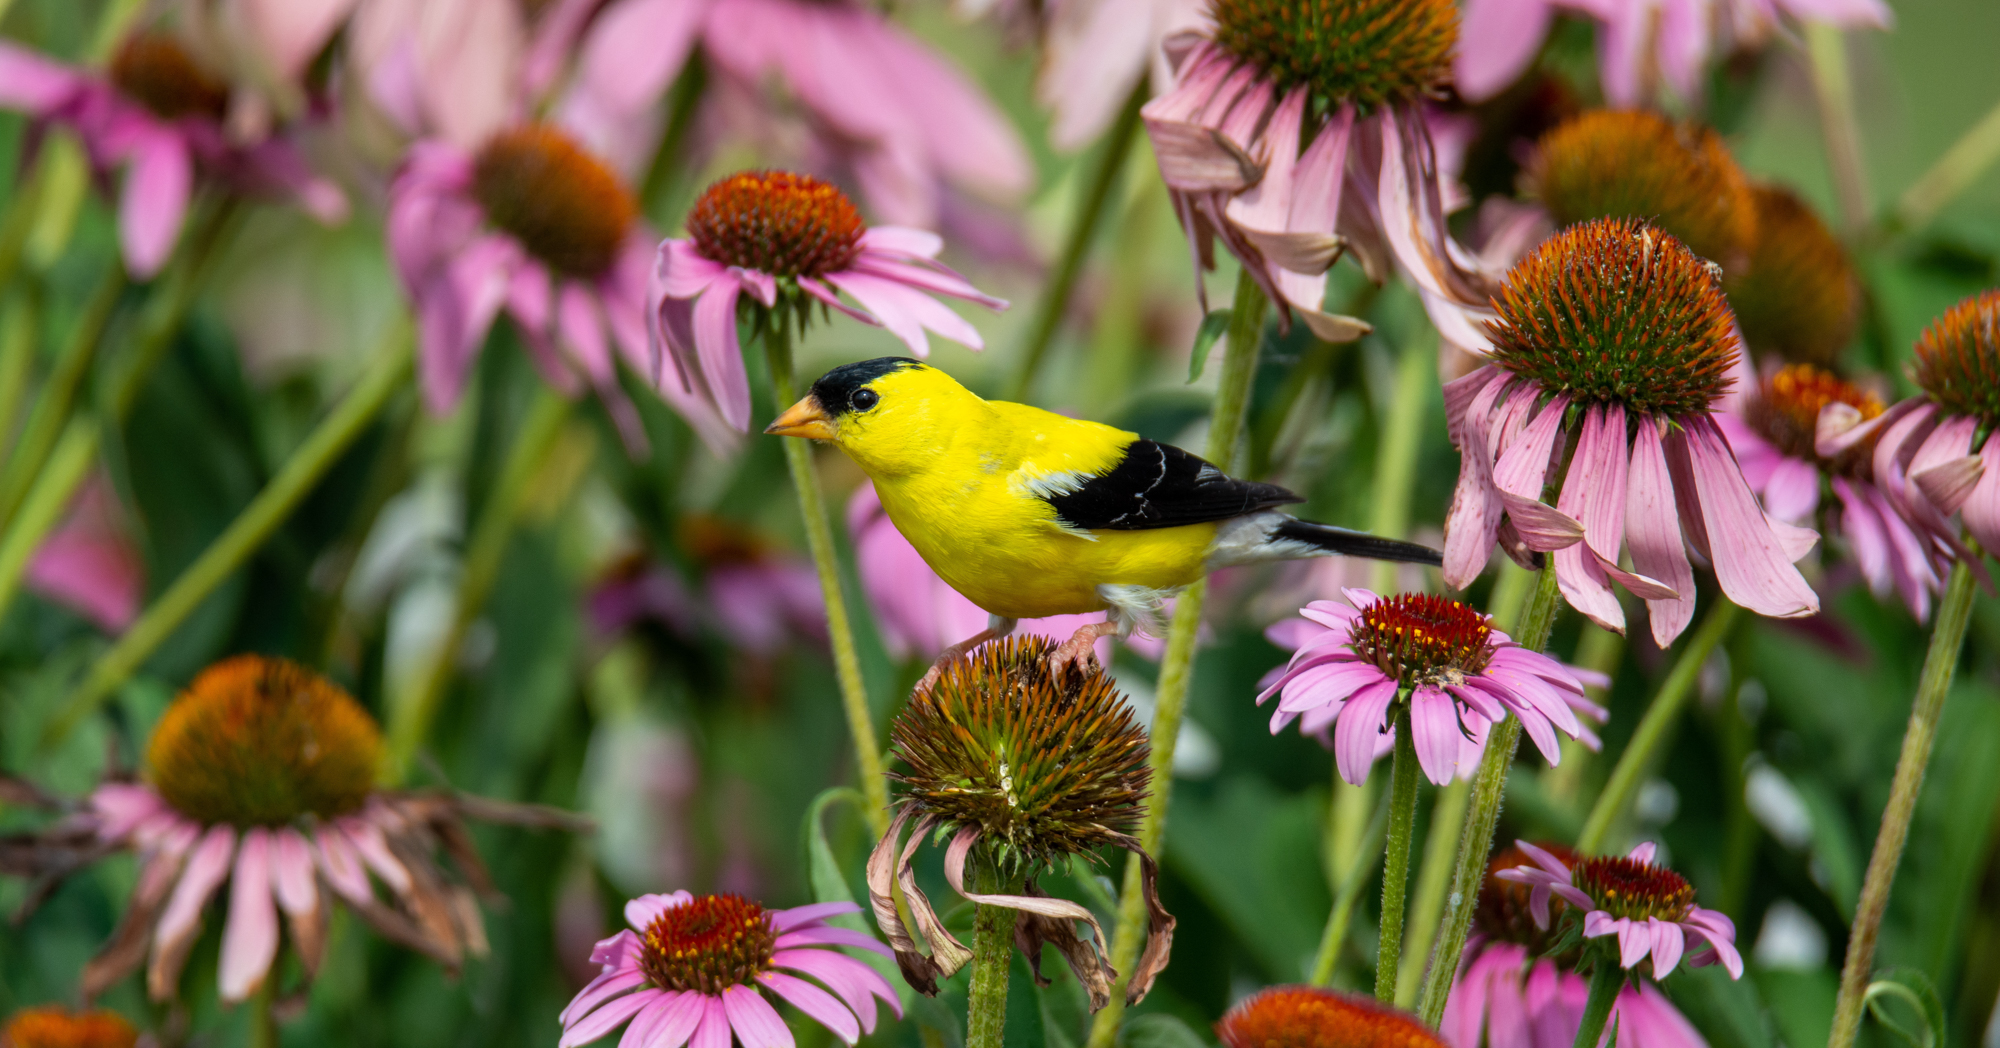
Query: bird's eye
x=865, y=399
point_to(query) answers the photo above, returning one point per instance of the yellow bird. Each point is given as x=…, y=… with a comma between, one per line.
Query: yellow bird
x=1028, y=513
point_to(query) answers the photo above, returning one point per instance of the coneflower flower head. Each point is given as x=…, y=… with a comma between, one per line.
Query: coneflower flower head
x=1313, y=1017
x=1648, y=908
x=155, y=69
x=1368, y=52
x=1796, y=296
x=1958, y=360
x=1636, y=164
x=564, y=205
x=1503, y=914
x=1787, y=405
x=1031, y=765
x=57, y=1027
x=1614, y=333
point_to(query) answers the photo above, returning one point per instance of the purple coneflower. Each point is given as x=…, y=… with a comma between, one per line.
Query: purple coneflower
x=785, y=243
x=1458, y=674
x=90, y=563
x=1315, y=1017
x=158, y=114
x=1611, y=349
x=1096, y=51
x=692, y=970
x=1649, y=908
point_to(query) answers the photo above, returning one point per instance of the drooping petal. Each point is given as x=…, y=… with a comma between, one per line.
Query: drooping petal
x=720, y=357
x=1497, y=40
x=1474, y=518
x=180, y=923
x=1359, y=730
x=1981, y=511
x=158, y=184
x=1751, y=563
x=906, y=311
x=756, y=1023
x=1594, y=494
x=1434, y=728
x=1653, y=533
x=250, y=934
x=1668, y=943
x=1520, y=473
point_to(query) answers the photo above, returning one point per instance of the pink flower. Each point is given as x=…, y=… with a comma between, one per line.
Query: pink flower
x=1649, y=908
x=1638, y=41
x=157, y=115
x=1616, y=332
x=1459, y=675
x=1504, y=997
x=756, y=597
x=89, y=562
x=788, y=243
x=1095, y=52
x=694, y=969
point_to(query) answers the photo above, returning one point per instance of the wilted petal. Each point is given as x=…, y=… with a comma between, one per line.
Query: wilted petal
x=1751, y=562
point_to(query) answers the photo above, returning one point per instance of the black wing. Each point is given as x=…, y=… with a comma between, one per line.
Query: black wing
x=1160, y=486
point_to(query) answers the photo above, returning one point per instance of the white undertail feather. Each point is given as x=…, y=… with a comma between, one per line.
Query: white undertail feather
x=1254, y=540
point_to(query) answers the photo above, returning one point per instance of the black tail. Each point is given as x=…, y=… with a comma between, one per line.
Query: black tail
x=1356, y=543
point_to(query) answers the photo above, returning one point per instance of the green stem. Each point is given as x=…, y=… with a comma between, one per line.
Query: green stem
x=839, y=627
x=416, y=707
x=992, y=960
x=17, y=359
x=51, y=411
x=1833, y=84
x=263, y=1023
x=1655, y=728
x=1600, y=650
x=1347, y=893
x=1225, y=431
x=1952, y=174
x=1605, y=982
x=1940, y=662
x=64, y=471
x=246, y=534
x=1433, y=877
x=1396, y=864
x=1113, y=152
x=1396, y=460
x=1482, y=814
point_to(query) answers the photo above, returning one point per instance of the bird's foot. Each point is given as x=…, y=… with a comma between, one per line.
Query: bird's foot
x=999, y=628
x=1080, y=650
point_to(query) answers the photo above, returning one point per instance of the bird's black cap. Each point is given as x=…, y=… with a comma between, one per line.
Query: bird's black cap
x=835, y=390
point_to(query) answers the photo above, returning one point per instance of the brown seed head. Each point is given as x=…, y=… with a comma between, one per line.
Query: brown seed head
x=777, y=222
x=258, y=741
x=1417, y=638
x=154, y=70
x=565, y=206
x=1503, y=912
x=1310, y=1017
x=708, y=944
x=1368, y=52
x=1615, y=311
x=1787, y=406
x=58, y=1027
x=1044, y=765
x=1796, y=296
x=1634, y=164
x=1958, y=358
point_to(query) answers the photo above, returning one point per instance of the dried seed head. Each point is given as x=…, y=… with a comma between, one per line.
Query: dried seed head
x=258, y=741
x=1958, y=358
x=1615, y=311
x=1417, y=639
x=1503, y=912
x=1043, y=764
x=1634, y=164
x=777, y=222
x=1368, y=52
x=1796, y=296
x=1310, y=1017
x=708, y=944
x=1629, y=888
x=156, y=71
x=58, y=1027
x=565, y=206
x=1787, y=406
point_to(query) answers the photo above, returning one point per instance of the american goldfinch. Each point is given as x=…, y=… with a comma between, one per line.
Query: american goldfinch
x=1028, y=513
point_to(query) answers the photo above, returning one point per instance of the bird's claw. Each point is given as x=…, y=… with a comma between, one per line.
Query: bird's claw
x=1080, y=650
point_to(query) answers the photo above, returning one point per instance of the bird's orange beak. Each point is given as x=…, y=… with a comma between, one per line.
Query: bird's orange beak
x=803, y=419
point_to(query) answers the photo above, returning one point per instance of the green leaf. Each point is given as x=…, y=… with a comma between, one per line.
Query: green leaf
x=1726, y=1011
x=1913, y=988
x=1212, y=327
x=1159, y=1030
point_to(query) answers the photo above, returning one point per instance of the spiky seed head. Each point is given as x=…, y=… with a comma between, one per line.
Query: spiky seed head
x=259, y=741
x=58, y=1027
x=1796, y=296
x=1044, y=764
x=1616, y=311
x=1368, y=52
x=155, y=70
x=1625, y=887
x=777, y=222
x=1502, y=912
x=1312, y=1017
x=565, y=206
x=708, y=944
x=1958, y=358
x=1787, y=406
x=1421, y=639
x=1635, y=164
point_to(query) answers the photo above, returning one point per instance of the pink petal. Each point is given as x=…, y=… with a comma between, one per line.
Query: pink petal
x=607, y=1018
x=1653, y=534
x=785, y=920
x=207, y=867
x=1750, y=561
x=250, y=935
x=756, y=1023
x=374, y=851
x=600, y=990
x=158, y=182
x=341, y=865
x=855, y=982
x=1359, y=730
x=1668, y=943
x=906, y=311
x=1594, y=494
x=1792, y=492
x=32, y=83
x=1981, y=511
x=678, y=1016
x=827, y=935
x=641, y=912
x=714, y=1031
x=1326, y=684
x=1434, y=729
x=292, y=878
x=816, y=1003
x=1520, y=474
x=1496, y=42
x=720, y=357
x=1474, y=518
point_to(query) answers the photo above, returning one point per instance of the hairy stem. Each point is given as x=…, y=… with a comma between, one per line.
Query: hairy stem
x=839, y=627
x=1433, y=877
x=1489, y=783
x=1225, y=429
x=1605, y=982
x=1655, y=728
x=1396, y=863
x=1940, y=662
x=992, y=959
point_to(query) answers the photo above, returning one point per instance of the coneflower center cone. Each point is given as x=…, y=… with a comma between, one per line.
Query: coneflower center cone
x=1616, y=311
x=1635, y=164
x=708, y=944
x=154, y=70
x=1368, y=52
x=57, y=1027
x=1787, y=406
x=777, y=222
x=1958, y=359
x=1042, y=763
x=1420, y=639
x=1310, y=1017
x=565, y=206
x=1625, y=887
x=258, y=741
x=1796, y=296
x=1502, y=912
